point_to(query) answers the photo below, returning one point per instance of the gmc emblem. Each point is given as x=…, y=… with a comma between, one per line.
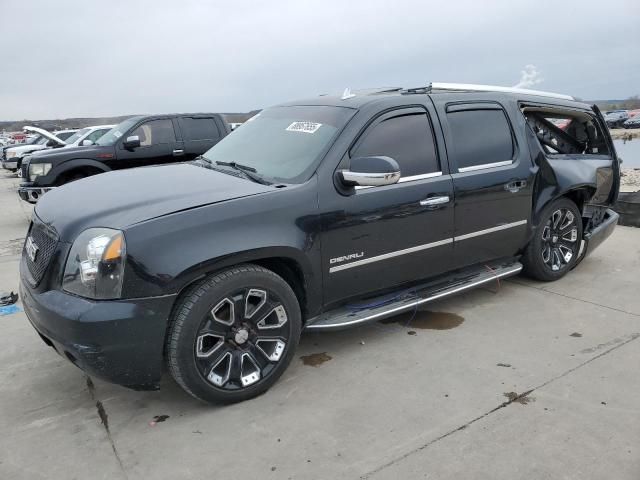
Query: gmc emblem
x=31, y=249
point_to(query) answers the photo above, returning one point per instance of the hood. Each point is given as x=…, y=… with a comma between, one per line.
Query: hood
x=22, y=149
x=72, y=151
x=45, y=133
x=122, y=198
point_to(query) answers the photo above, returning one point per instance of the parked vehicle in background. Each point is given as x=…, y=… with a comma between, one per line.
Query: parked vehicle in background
x=137, y=142
x=616, y=118
x=12, y=157
x=633, y=122
x=312, y=216
x=87, y=136
x=84, y=137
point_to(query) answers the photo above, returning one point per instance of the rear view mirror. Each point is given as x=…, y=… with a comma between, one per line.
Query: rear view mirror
x=86, y=143
x=371, y=172
x=131, y=142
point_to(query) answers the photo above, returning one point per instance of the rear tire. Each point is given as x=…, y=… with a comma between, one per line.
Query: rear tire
x=233, y=334
x=554, y=249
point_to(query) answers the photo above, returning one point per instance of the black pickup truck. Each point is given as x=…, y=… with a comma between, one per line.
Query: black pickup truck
x=136, y=142
x=316, y=215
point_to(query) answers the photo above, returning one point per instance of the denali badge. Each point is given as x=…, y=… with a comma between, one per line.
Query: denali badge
x=31, y=248
x=351, y=256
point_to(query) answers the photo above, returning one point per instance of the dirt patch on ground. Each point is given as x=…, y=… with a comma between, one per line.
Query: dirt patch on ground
x=426, y=320
x=518, y=398
x=315, y=359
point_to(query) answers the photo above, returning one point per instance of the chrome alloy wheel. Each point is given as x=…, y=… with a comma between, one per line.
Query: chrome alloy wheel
x=560, y=239
x=242, y=338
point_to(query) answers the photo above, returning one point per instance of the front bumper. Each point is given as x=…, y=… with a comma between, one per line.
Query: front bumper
x=599, y=234
x=32, y=194
x=120, y=341
x=10, y=164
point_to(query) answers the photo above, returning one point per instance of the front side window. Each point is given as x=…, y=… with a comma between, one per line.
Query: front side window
x=480, y=137
x=405, y=138
x=155, y=132
x=283, y=143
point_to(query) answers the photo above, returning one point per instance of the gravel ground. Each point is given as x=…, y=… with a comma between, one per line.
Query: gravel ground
x=630, y=180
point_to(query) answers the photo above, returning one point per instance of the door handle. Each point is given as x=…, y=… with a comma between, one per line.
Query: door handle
x=514, y=187
x=434, y=201
x=178, y=152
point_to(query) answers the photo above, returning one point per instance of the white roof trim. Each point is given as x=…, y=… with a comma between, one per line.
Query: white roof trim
x=494, y=88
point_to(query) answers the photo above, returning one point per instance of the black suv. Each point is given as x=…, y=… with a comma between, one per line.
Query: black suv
x=315, y=215
x=136, y=142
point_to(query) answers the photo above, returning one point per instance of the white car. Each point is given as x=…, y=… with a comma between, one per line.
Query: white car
x=12, y=158
x=87, y=135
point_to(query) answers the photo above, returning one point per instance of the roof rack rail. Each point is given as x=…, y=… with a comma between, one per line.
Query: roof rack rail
x=469, y=87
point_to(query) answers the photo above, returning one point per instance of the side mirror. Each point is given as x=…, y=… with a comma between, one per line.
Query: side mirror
x=131, y=142
x=86, y=143
x=371, y=172
x=51, y=143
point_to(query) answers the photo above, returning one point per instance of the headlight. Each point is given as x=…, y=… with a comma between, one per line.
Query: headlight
x=38, y=170
x=11, y=154
x=95, y=266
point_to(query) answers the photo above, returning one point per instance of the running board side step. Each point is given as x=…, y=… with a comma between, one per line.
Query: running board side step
x=378, y=308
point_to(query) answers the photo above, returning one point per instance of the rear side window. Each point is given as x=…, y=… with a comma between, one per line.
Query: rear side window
x=199, y=129
x=405, y=138
x=480, y=137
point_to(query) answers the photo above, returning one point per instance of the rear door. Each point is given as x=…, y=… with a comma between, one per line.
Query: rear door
x=492, y=179
x=158, y=144
x=378, y=238
x=200, y=133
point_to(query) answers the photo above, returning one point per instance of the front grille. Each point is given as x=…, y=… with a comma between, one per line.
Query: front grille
x=25, y=168
x=46, y=241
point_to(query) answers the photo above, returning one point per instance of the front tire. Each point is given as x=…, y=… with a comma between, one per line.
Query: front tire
x=233, y=334
x=555, y=247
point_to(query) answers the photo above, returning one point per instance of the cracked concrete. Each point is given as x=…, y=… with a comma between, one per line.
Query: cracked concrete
x=383, y=405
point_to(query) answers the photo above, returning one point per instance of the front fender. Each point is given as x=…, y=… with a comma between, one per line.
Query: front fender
x=166, y=254
x=60, y=169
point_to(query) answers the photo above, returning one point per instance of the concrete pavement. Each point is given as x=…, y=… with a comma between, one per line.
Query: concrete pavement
x=517, y=380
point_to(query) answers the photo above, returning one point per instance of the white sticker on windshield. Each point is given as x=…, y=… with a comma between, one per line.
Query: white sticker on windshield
x=117, y=134
x=304, y=127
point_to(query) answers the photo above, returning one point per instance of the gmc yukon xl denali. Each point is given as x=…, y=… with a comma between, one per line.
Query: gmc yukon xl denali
x=136, y=142
x=316, y=215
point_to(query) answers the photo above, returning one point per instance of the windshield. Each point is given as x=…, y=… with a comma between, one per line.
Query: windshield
x=282, y=143
x=74, y=138
x=42, y=141
x=116, y=132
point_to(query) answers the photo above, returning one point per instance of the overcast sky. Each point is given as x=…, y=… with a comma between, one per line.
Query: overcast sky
x=84, y=58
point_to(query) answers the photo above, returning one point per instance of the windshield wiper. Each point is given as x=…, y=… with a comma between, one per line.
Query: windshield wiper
x=249, y=172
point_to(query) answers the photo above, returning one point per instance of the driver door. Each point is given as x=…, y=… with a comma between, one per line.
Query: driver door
x=158, y=144
x=383, y=237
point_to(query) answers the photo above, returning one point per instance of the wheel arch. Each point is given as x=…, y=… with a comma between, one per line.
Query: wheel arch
x=85, y=166
x=286, y=262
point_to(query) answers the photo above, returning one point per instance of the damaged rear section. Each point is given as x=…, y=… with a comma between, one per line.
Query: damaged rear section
x=574, y=157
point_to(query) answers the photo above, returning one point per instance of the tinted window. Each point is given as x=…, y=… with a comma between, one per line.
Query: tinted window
x=155, y=132
x=480, y=137
x=199, y=129
x=405, y=138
